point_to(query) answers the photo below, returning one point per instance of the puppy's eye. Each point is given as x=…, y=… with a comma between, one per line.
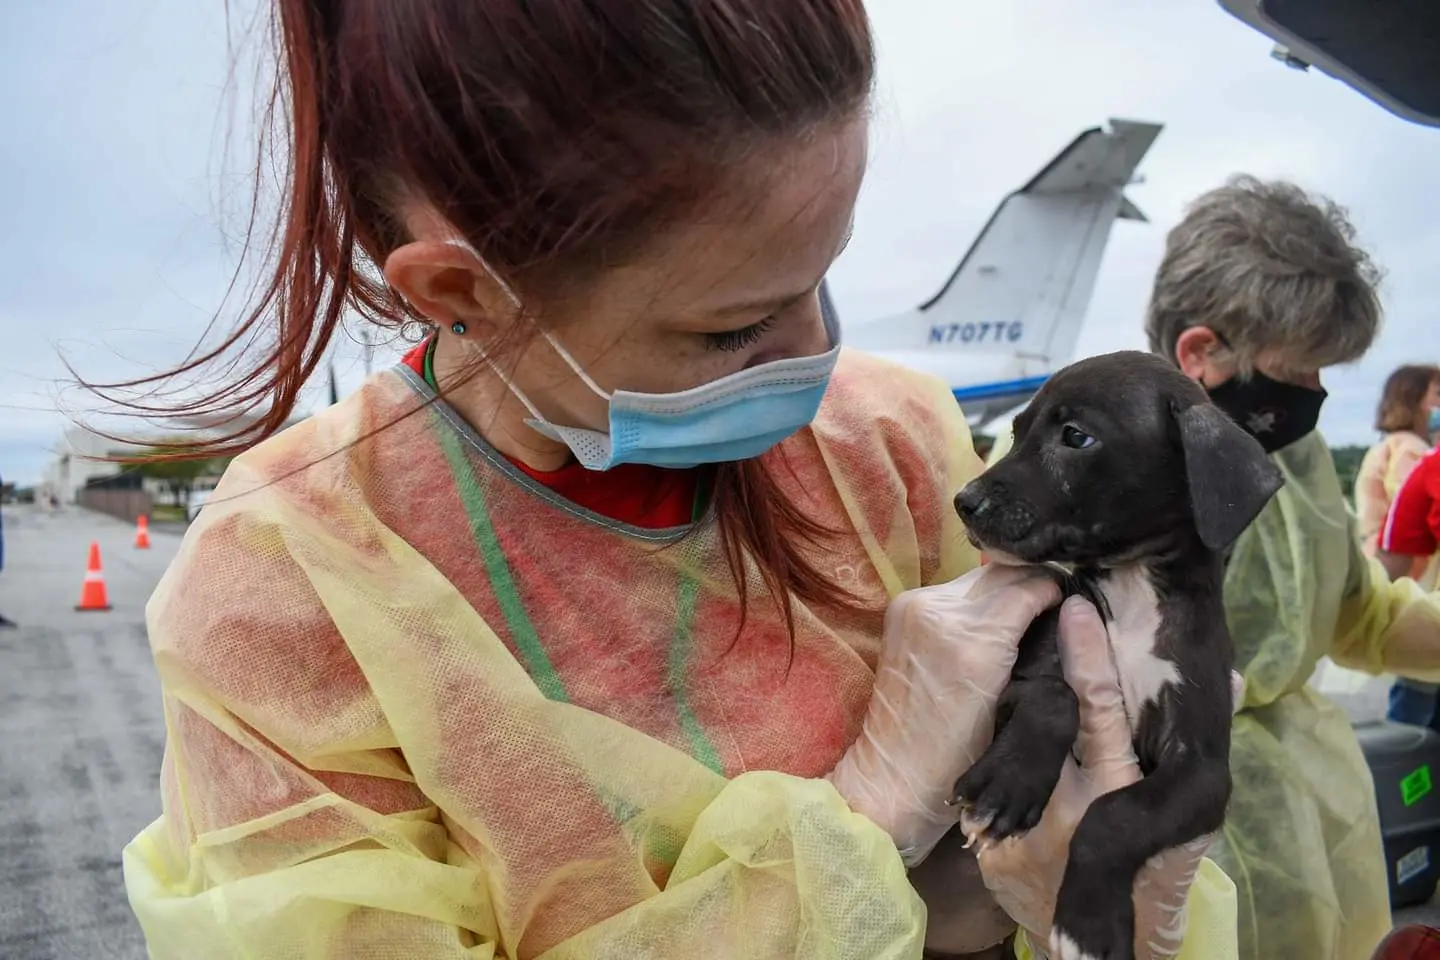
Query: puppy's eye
x=1073, y=436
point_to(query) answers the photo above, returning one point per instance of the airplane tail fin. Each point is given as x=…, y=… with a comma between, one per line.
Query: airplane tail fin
x=1024, y=286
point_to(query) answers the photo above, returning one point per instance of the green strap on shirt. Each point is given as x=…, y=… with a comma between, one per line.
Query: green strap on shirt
x=522, y=629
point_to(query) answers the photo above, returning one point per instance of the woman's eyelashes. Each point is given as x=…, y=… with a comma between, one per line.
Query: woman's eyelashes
x=732, y=340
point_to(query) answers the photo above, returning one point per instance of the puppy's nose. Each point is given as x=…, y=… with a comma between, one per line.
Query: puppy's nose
x=971, y=502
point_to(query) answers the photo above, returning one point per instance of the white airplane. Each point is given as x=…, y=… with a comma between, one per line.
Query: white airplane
x=1010, y=314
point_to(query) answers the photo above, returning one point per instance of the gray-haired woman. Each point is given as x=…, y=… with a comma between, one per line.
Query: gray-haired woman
x=1261, y=288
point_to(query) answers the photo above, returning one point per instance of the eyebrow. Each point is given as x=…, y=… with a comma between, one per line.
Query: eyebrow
x=768, y=304
x=776, y=304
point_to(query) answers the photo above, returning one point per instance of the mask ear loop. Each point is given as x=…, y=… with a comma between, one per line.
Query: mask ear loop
x=510, y=385
x=575, y=366
x=555, y=344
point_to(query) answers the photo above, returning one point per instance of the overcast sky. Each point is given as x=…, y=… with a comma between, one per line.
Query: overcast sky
x=118, y=188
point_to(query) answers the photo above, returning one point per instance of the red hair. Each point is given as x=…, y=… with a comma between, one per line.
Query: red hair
x=557, y=138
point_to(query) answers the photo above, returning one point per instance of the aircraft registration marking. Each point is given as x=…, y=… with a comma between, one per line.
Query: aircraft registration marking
x=983, y=332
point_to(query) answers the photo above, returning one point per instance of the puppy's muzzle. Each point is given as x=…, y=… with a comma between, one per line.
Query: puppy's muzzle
x=989, y=520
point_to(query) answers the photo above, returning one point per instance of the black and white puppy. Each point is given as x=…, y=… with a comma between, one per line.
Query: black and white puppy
x=1129, y=483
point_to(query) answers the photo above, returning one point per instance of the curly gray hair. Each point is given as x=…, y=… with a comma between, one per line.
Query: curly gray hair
x=1267, y=267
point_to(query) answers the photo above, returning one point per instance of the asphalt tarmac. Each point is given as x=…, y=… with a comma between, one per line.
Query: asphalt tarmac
x=81, y=734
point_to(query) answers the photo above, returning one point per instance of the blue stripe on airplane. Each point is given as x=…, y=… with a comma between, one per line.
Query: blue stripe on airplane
x=997, y=391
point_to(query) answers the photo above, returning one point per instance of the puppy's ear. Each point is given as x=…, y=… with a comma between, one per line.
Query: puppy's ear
x=1230, y=476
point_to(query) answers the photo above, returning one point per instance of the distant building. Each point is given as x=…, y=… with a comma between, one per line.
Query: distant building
x=81, y=455
x=75, y=465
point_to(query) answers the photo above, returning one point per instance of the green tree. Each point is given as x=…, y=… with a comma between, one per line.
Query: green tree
x=161, y=463
x=1347, y=465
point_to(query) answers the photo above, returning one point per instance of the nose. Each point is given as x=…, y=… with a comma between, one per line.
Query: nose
x=972, y=502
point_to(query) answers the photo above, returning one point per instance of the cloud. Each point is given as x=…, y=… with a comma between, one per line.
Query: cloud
x=121, y=186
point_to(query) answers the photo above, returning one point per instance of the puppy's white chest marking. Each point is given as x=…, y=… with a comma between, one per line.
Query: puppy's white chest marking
x=1135, y=623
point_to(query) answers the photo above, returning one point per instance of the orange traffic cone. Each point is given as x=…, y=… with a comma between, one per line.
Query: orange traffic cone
x=93, y=595
x=142, y=533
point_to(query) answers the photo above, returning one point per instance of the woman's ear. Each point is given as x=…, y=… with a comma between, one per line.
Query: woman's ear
x=1195, y=355
x=447, y=283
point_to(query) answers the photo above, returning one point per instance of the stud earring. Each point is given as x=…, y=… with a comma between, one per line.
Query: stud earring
x=458, y=328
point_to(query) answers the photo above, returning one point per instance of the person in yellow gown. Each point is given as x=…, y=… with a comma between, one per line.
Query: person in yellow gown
x=629, y=617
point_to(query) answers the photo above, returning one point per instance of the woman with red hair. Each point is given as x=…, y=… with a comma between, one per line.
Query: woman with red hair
x=629, y=617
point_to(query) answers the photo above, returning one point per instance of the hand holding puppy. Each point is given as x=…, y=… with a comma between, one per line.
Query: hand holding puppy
x=947, y=655
x=1024, y=872
x=945, y=658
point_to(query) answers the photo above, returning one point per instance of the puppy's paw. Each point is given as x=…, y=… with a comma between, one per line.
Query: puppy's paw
x=1001, y=798
x=1092, y=928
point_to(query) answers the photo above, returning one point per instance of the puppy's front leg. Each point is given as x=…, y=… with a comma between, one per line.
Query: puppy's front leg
x=1036, y=723
x=1182, y=799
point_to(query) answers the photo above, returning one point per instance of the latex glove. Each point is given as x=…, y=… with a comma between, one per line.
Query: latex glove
x=945, y=658
x=1024, y=873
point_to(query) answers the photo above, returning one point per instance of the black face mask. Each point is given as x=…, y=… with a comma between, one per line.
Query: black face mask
x=1275, y=413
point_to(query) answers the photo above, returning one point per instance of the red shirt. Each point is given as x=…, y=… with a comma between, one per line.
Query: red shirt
x=637, y=494
x=1412, y=527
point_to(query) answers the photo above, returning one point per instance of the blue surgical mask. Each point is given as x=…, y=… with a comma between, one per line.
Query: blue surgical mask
x=1435, y=420
x=738, y=417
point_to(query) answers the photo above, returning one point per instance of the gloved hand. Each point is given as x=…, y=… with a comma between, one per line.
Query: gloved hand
x=945, y=658
x=1024, y=872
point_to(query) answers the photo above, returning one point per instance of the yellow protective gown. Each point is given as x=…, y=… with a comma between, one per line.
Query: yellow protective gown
x=1302, y=837
x=419, y=707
